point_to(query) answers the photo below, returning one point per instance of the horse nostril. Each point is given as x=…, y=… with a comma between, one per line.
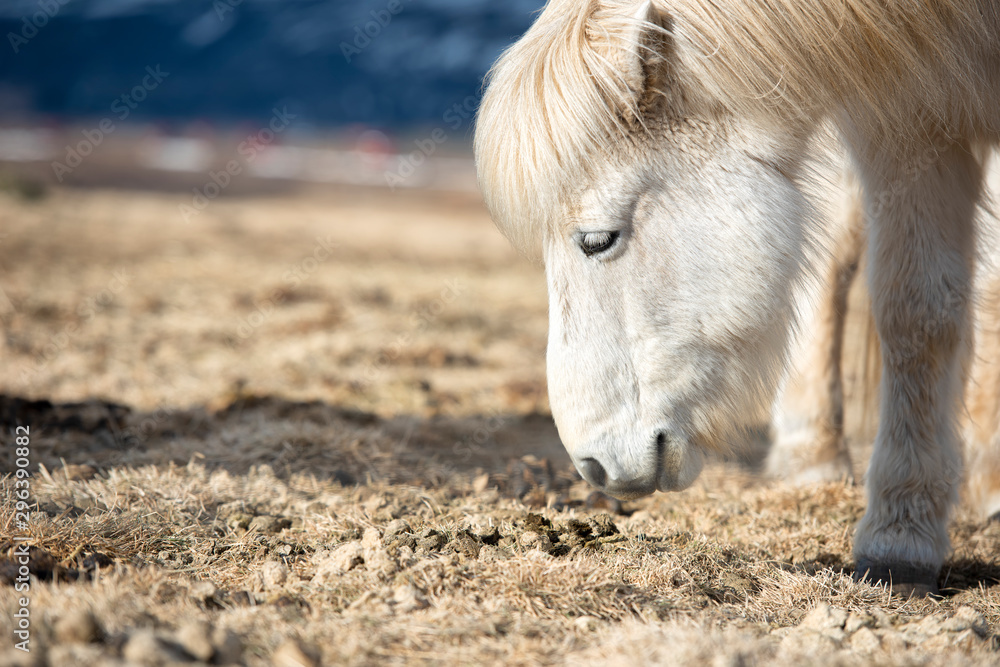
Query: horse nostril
x=661, y=444
x=594, y=472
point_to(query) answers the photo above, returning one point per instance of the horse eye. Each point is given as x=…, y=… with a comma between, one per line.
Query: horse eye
x=595, y=242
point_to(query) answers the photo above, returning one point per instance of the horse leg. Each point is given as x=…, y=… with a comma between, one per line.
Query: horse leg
x=982, y=429
x=922, y=246
x=808, y=424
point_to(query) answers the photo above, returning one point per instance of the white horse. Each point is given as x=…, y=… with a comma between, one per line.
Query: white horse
x=658, y=152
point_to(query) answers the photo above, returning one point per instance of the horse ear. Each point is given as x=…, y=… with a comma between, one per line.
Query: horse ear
x=642, y=32
x=635, y=45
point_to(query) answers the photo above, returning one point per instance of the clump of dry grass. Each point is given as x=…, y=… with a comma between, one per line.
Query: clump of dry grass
x=446, y=571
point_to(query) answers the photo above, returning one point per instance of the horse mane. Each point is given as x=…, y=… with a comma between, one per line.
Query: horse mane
x=553, y=99
x=557, y=98
x=887, y=60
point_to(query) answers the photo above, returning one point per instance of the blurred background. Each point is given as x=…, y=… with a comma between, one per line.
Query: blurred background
x=184, y=82
x=204, y=200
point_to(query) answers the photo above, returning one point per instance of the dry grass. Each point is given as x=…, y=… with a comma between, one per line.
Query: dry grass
x=351, y=475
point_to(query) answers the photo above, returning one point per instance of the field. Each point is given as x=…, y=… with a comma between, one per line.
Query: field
x=311, y=428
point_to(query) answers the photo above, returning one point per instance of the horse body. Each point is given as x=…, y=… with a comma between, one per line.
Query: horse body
x=658, y=153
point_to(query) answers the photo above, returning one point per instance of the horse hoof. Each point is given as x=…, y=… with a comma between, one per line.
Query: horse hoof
x=903, y=579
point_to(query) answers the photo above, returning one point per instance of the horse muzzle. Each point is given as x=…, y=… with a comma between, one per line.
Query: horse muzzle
x=668, y=464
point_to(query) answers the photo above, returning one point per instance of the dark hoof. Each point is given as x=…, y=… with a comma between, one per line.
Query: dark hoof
x=903, y=579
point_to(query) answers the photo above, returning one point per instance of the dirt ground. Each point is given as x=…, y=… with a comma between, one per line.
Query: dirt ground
x=310, y=429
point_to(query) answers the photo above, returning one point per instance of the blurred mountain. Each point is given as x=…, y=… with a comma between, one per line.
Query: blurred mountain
x=391, y=63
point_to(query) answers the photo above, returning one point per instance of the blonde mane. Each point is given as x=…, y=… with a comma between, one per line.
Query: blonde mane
x=553, y=100
x=558, y=98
